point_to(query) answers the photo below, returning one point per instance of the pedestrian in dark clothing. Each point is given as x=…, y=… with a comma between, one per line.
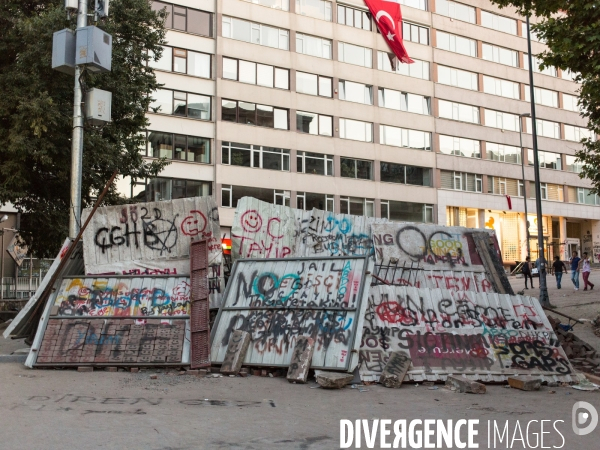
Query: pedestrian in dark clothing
x=575, y=270
x=559, y=267
x=526, y=270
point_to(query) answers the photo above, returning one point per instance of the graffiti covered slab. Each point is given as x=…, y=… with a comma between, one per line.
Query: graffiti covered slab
x=150, y=238
x=123, y=296
x=277, y=301
x=114, y=341
x=264, y=230
x=486, y=336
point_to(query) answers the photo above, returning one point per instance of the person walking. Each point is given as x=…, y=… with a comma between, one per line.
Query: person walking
x=559, y=267
x=526, y=271
x=585, y=271
x=575, y=270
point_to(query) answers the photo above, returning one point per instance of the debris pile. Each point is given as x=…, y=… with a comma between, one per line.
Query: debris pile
x=581, y=354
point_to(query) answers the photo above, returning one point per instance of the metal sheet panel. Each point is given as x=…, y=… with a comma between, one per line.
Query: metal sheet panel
x=277, y=300
x=121, y=296
x=264, y=230
x=73, y=267
x=486, y=336
x=153, y=239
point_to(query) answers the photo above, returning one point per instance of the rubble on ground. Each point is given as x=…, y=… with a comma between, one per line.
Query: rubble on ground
x=581, y=354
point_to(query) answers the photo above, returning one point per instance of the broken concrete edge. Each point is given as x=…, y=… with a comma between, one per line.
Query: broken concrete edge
x=525, y=383
x=465, y=385
x=333, y=380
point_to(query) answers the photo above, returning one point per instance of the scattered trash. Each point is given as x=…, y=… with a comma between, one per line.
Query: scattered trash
x=586, y=385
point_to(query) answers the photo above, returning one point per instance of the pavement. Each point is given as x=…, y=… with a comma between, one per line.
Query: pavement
x=58, y=409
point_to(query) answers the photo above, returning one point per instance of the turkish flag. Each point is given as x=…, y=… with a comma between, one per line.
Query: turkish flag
x=388, y=17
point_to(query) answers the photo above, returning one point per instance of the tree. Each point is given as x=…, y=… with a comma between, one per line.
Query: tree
x=36, y=109
x=571, y=30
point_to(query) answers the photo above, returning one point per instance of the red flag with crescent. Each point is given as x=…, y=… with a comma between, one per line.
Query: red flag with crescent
x=388, y=17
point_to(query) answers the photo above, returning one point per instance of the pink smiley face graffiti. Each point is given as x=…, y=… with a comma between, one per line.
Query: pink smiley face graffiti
x=194, y=224
x=251, y=221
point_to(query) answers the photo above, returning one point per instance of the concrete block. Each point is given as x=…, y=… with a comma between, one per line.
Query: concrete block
x=191, y=372
x=256, y=372
x=463, y=384
x=153, y=377
x=112, y=369
x=85, y=369
x=395, y=369
x=525, y=383
x=333, y=380
x=301, y=359
x=202, y=372
x=236, y=352
x=134, y=369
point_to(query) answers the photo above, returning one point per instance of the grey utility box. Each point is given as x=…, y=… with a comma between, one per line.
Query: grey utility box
x=94, y=49
x=98, y=106
x=63, y=51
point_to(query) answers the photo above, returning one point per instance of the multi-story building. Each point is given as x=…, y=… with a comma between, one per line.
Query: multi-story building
x=300, y=103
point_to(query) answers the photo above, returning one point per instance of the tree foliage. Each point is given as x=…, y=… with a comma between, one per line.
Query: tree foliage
x=571, y=30
x=36, y=112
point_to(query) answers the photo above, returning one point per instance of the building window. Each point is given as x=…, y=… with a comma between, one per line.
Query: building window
x=534, y=36
x=403, y=174
x=585, y=196
x=402, y=137
x=308, y=200
x=231, y=194
x=544, y=128
x=284, y=5
x=543, y=96
x=353, y=17
x=256, y=156
x=457, y=146
x=456, y=44
x=503, y=88
x=573, y=164
x=353, y=54
x=185, y=19
x=308, y=83
x=500, y=55
x=319, y=9
x=498, y=23
x=356, y=92
x=458, y=111
x=356, y=168
x=547, y=160
x=455, y=10
x=255, y=33
x=356, y=130
x=314, y=163
x=357, y=206
x=415, y=33
x=312, y=123
x=195, y=106
x=406, y=211
x=159, y=189
x=502, y=120
x=573, y=133
x=458, y=78
x=178, y=147
x=550, y=71
x=313, y=46
x=571, y=103
x=502, y=153
x=503, y=186
x=417, y=4
x=254, y=73
x=182, y=61
x=551, y=192
x=389, y=63
x=254, y=114
x=461, y=181
x=403, y=101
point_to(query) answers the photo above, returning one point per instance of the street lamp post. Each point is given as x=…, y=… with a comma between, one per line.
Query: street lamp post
x=523, y=156
x=543, y=298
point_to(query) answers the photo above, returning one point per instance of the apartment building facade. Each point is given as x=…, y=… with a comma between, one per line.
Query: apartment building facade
x=299, y=103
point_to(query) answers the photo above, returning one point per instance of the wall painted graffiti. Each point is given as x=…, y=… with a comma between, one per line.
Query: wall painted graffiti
x=123, y=297
x=279, y=301
x=263, y=230
x=154, y=239
x=474, y=333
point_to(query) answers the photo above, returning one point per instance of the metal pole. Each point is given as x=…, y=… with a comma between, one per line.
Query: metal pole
x=30, y=272
x=77, y=139
x=544, y=300
x=2, y=268
x=524, y=188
